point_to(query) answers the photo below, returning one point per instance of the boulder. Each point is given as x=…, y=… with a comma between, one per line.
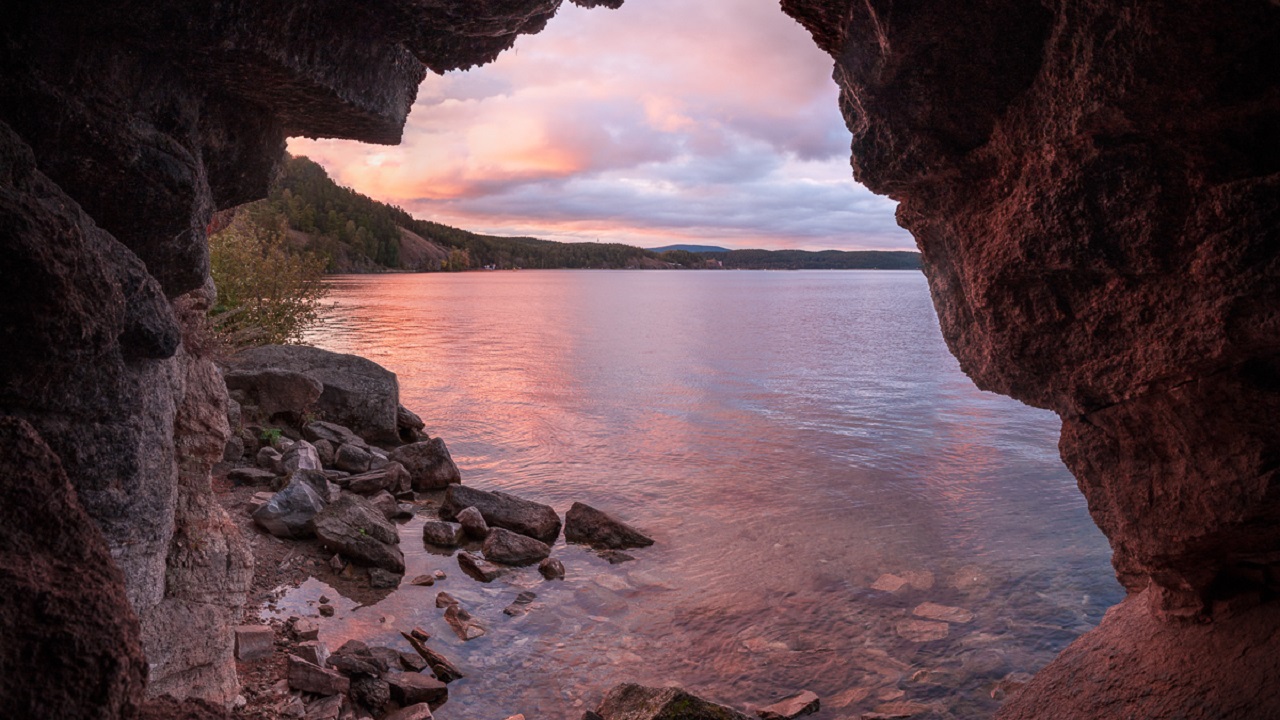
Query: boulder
x=269, y=458
x=442, y=533
x=388, y=478
x=504, y=546
x=409, y=424
x=585, y=524
x=429, y=464
x=373, y=693
x=352, y=458
x=478, y=568
x=802, y=703
x=502, y=510
x=356, y=392
x=325, y=450
x=551, y=569
x=473, y=524
x=291, y=512
x=314, y=679
x=382, y=579
x=276, y=393
x=386, y=504
x=411, y=688
x=301, y=455
x=313, y=651
x=332, y=433
x=356, y=529
x=234, y=449
x=636, y=702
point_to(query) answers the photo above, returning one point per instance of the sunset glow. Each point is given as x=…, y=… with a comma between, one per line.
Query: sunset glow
x=662, y=122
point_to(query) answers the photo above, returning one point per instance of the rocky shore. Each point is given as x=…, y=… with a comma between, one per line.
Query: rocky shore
x=322, y=468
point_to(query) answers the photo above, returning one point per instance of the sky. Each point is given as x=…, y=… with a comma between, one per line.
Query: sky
x=667, y=121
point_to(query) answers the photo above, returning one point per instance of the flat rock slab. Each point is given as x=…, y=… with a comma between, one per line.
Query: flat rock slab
x=802, y=703
x=636, y=702
x=922, y=630
x=944, y=613
x=479, y=568
x=505, y=511
x=411, y=688
x=314, y=679
x=585, y=524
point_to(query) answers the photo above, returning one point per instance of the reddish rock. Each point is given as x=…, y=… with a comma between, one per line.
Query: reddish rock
x=412, y=688
x=254, y=641
x=314, y=679
x=585, y=524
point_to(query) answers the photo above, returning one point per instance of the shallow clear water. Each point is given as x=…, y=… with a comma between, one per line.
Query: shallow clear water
x=787, y=438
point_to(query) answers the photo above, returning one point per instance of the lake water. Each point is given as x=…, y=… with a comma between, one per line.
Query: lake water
x=789, y=439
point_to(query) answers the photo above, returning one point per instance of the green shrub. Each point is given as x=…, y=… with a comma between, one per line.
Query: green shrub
x=267, y=293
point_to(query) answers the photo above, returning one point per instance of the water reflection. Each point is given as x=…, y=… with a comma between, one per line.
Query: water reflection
x=788, y=438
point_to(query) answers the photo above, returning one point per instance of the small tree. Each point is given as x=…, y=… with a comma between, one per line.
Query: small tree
x=267, y=293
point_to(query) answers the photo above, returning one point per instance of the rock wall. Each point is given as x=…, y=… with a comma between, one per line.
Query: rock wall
x=123, y=127
x=1095, y=188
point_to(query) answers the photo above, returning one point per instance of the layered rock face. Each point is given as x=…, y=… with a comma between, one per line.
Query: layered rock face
x=123, y=127
x=1095, y=187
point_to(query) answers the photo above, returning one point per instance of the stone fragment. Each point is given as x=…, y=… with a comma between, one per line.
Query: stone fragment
x=922, y=630
x=551, y=569
x=423, y=581
x=405, y=511
x=325, y=708
x=802, y=703
x=505, y=511
x=890, y=583
x=442, y=533
x=438, y=575
x=313, y=651
x=919, y=579
x=269, y=458
x=587, y=525
x=258, y=500
x=444, y=670
x=473, y=524
x=429, y=464
x=319, y=481
x=332, y=433
x=356, y=529
x=845, y=698
x=254, y=641
x=421, y=634
x=385, y=503
x=352, y=459
x=407, y=419
x=314, y=679
x=371, y=692
x=421, y=711
x=326, y=610
x=303, y=629
x=945, y=613
x=504, y=546
x=291, y=512
x=899, y=709
x=444, y=599
x=385, y=478
x=462, y=623
x=412, y=662
x=325, y=450
x=301, y=455
x=478, y=568
x=251, y=476
x=636, y=702
x=615, y=557
x=413, y=688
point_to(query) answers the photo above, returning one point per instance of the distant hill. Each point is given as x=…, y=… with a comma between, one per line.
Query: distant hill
x=689, y=248
x=357, y=234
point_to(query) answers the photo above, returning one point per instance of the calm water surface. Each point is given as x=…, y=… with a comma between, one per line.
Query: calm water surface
x=787, y=438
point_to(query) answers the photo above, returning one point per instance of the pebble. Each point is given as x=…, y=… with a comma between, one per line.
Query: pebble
x=326, y=610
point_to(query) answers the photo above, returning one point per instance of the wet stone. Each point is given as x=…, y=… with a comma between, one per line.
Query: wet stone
x=412, y=688
x=442, y=533
x=615, y=557
x=478, y=568
x=412, y=662
x=922, y=630
x=423, y=581
x=379, y=578
x=421, y=711
x=551, y=569
x=944, y=613
x=802, y=703
x=890, y=583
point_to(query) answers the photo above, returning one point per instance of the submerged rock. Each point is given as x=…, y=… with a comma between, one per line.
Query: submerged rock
x=636, y=702
x=478, y=568
x=802, y=703
x=504, y=546
x=354, y=527
x=502, y=510
x=585, y=524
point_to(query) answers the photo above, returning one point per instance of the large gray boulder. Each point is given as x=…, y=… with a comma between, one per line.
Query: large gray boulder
x=505, y=511
x=636, y=702
x=585, y=524
x=291, y=512
x=301, y=455
x=355, y=528
x=504, y=546
x=269, y=392
x=429, y=464
x=356, y=392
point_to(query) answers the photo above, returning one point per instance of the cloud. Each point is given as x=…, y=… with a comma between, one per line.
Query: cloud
x=715, y=121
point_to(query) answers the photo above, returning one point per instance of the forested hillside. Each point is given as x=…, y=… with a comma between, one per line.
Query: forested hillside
x=355, y=233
